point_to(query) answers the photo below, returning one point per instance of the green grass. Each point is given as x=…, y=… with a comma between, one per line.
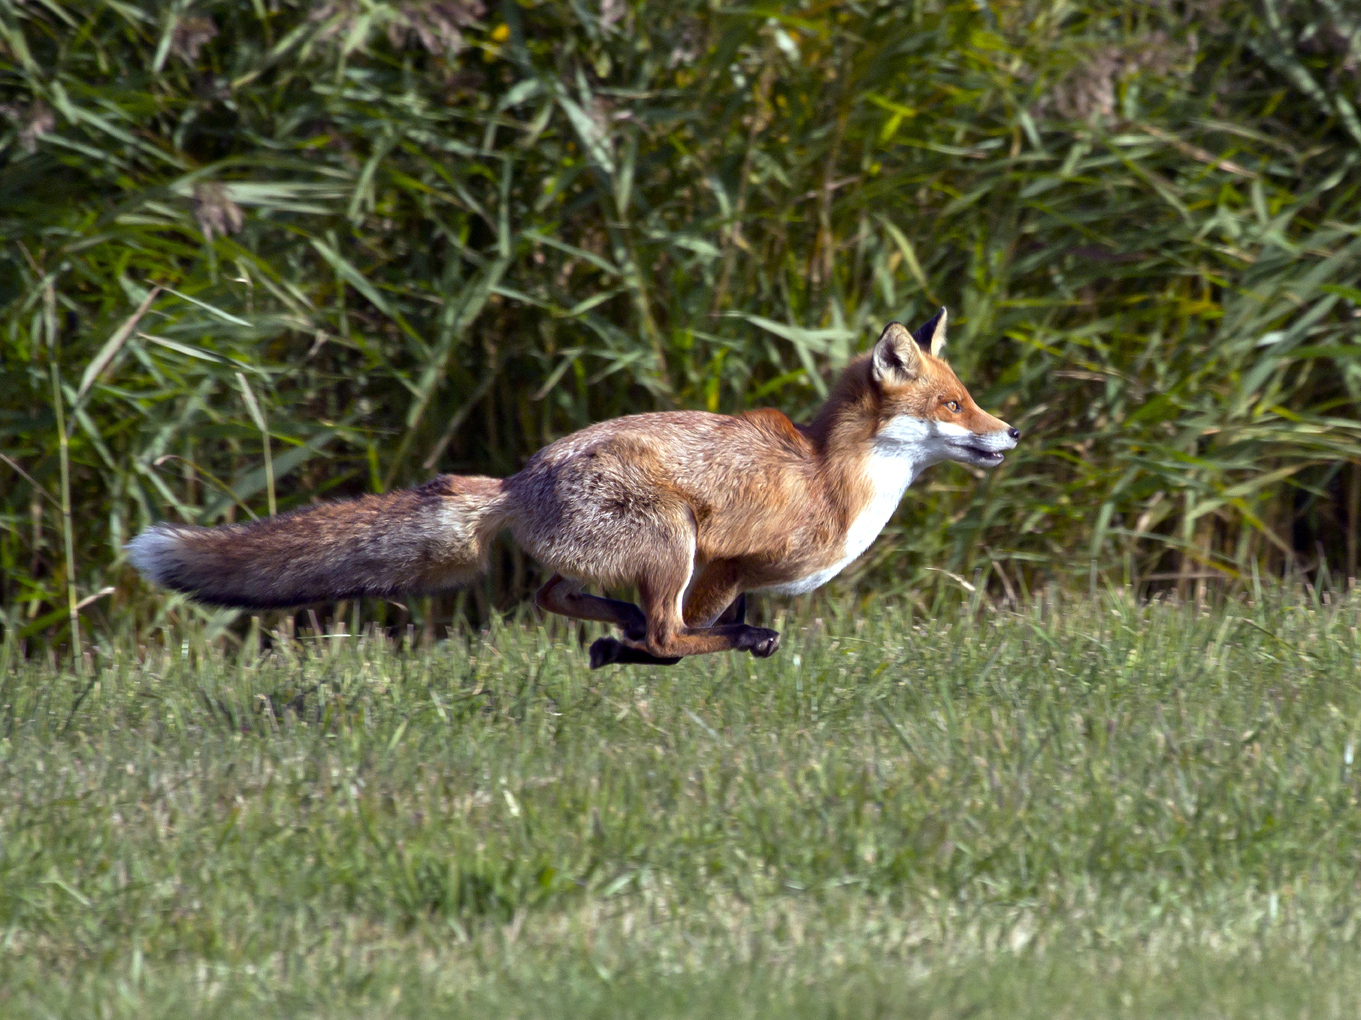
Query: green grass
x=1087, y=808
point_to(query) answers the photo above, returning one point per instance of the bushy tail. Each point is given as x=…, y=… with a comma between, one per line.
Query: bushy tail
x=412, y=540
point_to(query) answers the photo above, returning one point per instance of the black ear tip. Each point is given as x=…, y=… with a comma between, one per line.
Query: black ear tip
x=925, y=331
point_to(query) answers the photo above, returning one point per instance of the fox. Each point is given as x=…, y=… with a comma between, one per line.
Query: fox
x=694, y=509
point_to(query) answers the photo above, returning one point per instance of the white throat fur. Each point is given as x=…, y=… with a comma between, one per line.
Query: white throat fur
x=901, y=450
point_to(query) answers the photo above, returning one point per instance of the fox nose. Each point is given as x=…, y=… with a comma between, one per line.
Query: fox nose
x=1014, y=433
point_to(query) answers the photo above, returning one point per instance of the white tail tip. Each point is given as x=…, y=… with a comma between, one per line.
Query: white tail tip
x=154, y=551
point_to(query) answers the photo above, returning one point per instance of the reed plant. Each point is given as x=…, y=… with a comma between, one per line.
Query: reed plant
x=257, y=254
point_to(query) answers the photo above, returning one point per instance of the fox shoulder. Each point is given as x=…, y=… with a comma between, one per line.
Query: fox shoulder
x=775, y=426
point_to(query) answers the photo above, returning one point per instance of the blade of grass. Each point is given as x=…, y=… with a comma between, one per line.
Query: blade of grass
x=259, y=418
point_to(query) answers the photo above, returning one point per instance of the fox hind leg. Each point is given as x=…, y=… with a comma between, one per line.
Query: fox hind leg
x=760, y=641
x=611, y=513
x=662, y=588
x=565, y=597
x=607, y=650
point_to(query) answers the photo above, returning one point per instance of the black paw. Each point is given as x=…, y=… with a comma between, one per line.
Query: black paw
x=760, y=641
x=604, y=651
x=636, y=629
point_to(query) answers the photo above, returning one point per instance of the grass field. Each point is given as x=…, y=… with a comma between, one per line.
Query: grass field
x=1086, y=808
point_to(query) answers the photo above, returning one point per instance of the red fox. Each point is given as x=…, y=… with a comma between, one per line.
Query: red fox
x=695, y=509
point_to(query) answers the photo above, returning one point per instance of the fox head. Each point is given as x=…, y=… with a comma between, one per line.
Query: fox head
x=922, y=411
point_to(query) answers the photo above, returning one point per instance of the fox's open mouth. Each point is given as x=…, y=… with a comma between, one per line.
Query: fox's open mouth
x=982, y=456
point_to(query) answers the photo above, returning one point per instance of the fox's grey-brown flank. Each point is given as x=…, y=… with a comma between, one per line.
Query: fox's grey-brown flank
x=696, y=509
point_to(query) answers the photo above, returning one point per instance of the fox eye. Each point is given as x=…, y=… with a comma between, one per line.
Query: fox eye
x=953, y=405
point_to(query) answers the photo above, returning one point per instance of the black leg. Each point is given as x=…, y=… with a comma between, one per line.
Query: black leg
x=565, y=597
x=607, y=651
x=631, y=618
x=735, y=613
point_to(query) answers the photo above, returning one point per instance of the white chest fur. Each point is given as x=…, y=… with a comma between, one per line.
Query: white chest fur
x=891, y=467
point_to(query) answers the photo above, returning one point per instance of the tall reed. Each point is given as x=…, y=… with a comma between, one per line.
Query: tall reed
x=434, y=237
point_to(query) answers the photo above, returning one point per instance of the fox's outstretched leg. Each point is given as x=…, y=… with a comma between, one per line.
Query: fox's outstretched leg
x=610, y=651
x=565, y=597
x=736, y=611
x=668, y=635
x=715, y=596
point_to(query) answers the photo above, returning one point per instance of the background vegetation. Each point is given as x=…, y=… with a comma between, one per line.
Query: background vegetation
x=257, y=253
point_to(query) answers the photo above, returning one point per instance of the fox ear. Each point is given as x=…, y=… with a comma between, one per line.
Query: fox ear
x=895, y=357
x=931, y=337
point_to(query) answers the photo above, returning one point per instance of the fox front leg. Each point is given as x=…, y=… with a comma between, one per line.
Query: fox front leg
x=735, y=613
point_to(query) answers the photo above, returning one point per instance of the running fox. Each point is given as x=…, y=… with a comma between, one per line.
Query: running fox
x=696, y=509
